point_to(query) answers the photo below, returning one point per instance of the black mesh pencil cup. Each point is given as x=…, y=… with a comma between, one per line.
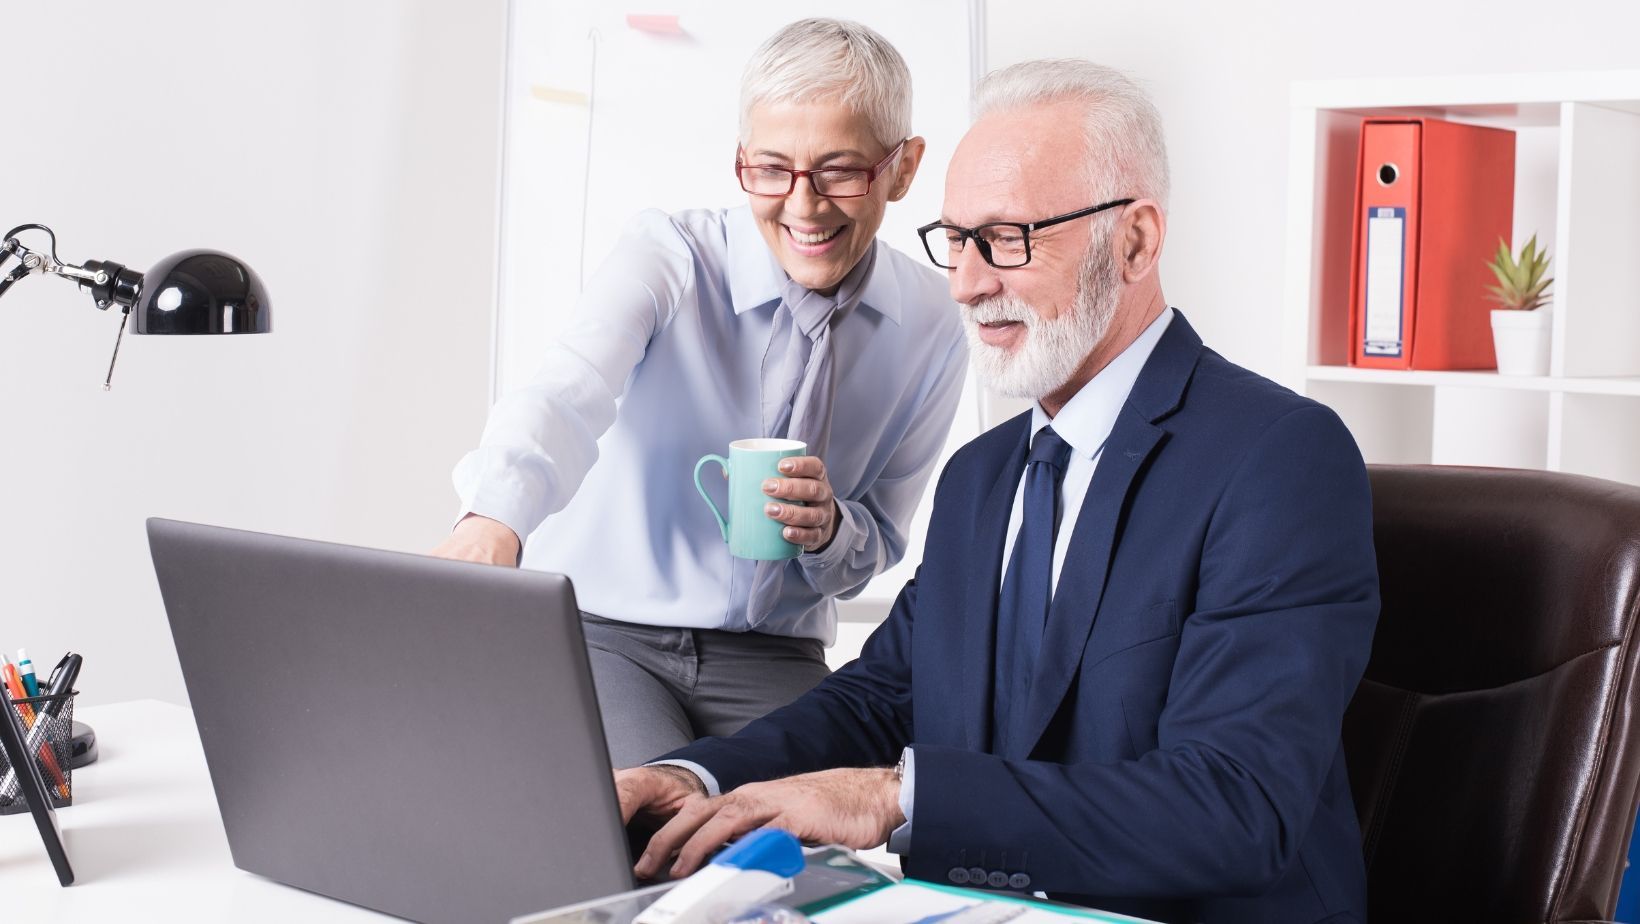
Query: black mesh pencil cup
x=49, y=725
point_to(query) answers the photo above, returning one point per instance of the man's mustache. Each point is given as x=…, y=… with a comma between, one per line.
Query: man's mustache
x=994, y=310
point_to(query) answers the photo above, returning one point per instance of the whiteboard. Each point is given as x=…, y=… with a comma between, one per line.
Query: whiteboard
x=605, y=117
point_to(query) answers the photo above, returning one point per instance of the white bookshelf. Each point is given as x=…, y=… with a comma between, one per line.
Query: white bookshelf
x=1577, y=186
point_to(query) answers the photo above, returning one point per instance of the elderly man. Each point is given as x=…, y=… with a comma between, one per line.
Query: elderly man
x=1120, y=672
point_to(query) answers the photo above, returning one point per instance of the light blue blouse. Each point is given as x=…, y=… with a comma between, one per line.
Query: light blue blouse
x=593, y=460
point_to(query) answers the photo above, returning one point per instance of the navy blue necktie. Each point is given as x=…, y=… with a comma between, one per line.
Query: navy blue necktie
x=1027, y=588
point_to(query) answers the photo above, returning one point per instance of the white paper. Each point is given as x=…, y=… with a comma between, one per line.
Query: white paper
x=1386, y=264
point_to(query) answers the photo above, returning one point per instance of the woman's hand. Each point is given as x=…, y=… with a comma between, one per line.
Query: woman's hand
x=481, y=539
x=812, y=526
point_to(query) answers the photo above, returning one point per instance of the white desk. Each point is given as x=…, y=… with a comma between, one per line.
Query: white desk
x=146, y=841
x=145, y=838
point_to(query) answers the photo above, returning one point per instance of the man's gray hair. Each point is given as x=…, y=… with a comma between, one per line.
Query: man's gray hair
x=1126, y=149
x=826, y=59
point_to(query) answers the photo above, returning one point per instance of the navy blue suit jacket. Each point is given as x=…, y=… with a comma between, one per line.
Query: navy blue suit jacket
x=1214, y=614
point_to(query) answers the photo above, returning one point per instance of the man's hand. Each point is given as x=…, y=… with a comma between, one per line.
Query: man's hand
x=657, y=792
x=813, y=526
x=855, y=808
x=481, y=539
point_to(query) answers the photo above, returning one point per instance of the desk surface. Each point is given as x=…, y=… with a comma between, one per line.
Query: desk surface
x=146, y=841
x=145, y=838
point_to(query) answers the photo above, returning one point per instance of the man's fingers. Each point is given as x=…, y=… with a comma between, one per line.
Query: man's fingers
x=631, y=792
x=624, y=795
x=672, y=835
x=722, y=828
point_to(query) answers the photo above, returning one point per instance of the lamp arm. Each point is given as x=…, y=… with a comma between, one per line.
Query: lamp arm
x=27, y=260
x=10, y=279
x=109, y=283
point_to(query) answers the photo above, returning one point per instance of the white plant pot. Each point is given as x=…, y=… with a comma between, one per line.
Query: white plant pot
x=1521, y=339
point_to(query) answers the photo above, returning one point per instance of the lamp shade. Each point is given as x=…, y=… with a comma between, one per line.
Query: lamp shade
x=202, y=292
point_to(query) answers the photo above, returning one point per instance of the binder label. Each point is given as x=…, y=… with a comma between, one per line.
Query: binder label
x=1386, y=280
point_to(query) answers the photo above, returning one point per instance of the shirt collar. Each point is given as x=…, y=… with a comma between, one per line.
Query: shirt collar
x=756, y=279
x=1088, y=417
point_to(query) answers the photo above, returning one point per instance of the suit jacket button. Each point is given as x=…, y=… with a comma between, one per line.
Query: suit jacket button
x=977, y=876
x=1019, y=881
x=997, y=880
x=958, y=875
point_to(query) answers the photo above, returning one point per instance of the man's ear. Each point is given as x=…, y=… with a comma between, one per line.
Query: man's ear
x=1143, y=228
x=905, y=170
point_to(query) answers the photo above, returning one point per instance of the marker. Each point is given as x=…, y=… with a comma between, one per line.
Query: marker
x=48, y=758
x=14, y=687
x=25, y=667
x=62, y=683
x=35, y=741
x=57, y=671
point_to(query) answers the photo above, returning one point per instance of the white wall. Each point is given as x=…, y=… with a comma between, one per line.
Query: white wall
x=1220, y=73
x=348, y=152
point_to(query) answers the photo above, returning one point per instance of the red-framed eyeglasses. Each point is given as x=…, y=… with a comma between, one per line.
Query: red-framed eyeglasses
x=831, y=182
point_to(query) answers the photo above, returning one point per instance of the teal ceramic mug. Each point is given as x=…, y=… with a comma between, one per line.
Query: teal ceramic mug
x=748, y=530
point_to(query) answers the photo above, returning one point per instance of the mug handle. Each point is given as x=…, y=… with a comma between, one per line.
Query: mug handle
x=723, y=525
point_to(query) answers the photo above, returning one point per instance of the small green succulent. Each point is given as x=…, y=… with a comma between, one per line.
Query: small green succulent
x=1522, y=285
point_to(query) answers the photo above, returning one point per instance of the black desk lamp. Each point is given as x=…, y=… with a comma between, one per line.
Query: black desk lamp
x=192, y=292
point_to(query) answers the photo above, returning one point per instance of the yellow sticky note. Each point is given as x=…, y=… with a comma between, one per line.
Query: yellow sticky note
x=557, y=95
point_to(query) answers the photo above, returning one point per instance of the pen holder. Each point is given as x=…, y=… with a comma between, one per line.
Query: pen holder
x=49, y=723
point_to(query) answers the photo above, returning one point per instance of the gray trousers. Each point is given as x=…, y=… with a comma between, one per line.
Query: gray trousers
x=661, y=688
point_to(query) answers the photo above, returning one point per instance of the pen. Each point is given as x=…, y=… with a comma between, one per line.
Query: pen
x=61, y=683
x=14, y=686
x=60, y=662
x=48, y=758
x=59, y=689
x=57, y=671
x=25, y=667
x=35, y=741
x=60, y=686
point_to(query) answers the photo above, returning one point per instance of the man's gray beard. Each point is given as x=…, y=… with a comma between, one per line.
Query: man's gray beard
x=1052, y=350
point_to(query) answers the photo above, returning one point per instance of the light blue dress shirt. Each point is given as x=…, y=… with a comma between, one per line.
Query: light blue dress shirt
x=1085, y=422
x=593, y=460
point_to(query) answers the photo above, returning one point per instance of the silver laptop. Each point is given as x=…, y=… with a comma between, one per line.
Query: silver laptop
x=413, y=735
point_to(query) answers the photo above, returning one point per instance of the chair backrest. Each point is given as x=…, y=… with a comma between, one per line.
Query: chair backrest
x=1493, y=745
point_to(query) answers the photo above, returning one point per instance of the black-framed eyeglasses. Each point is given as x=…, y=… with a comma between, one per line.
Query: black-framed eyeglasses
x=831, y=182
x=1003, y=244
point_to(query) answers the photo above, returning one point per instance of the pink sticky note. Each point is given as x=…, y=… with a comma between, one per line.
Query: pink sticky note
x=657, y=23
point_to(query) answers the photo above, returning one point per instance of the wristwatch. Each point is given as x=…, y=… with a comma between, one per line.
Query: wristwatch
x=899, y=768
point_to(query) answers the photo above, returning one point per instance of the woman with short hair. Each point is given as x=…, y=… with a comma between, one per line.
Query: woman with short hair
x=781, y=318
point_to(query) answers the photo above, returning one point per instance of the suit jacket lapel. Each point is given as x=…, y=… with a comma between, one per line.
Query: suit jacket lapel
x=1158, y=392
x=1082, y=579
x=979, y=622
